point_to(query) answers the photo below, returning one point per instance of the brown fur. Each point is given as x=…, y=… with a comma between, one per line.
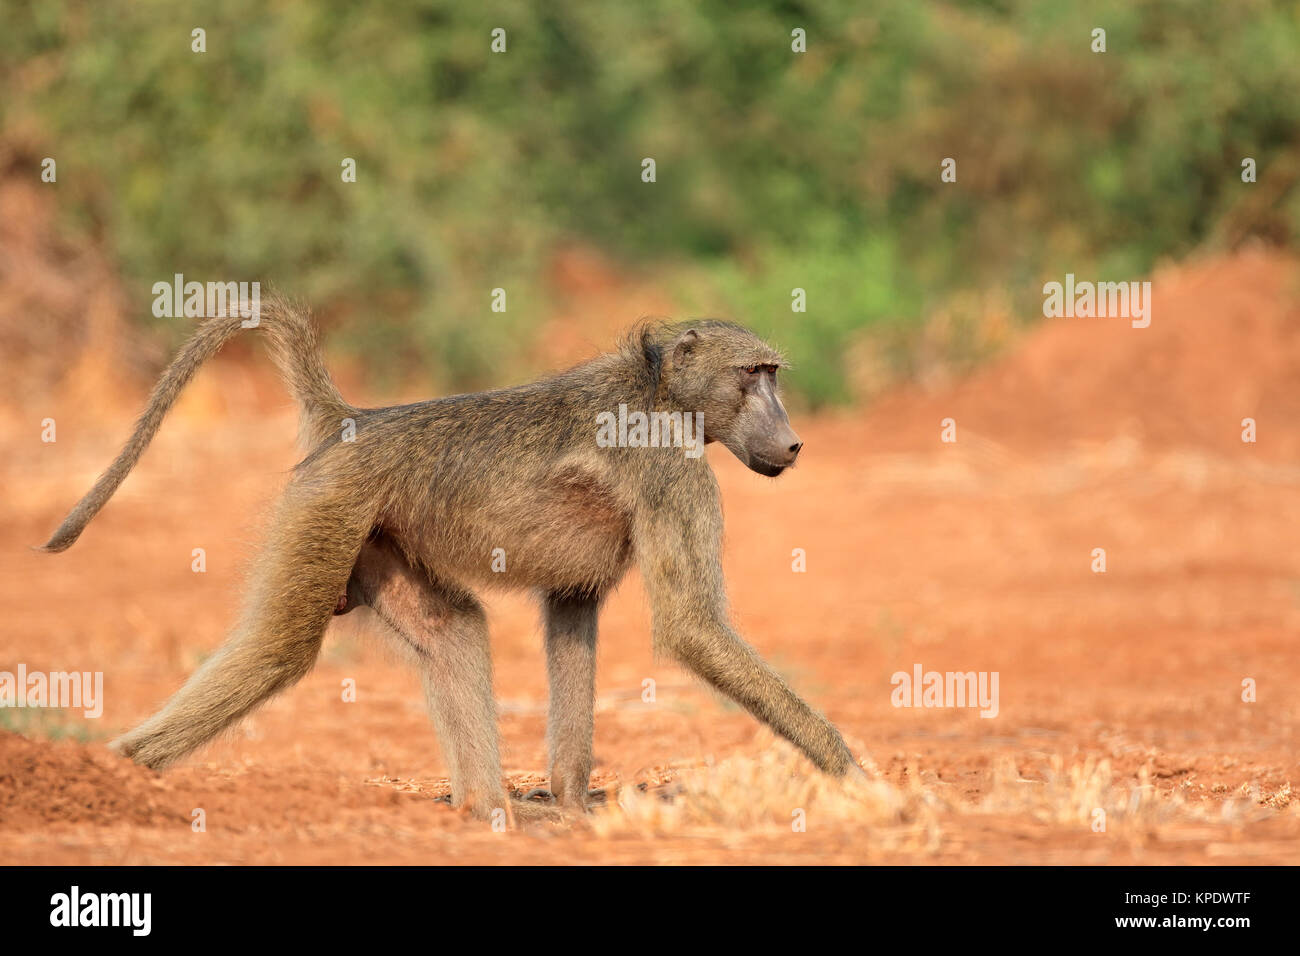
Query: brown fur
x=405, y=520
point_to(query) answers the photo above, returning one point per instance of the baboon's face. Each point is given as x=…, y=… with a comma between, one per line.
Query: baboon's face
x=760, y=434
x=729, y=375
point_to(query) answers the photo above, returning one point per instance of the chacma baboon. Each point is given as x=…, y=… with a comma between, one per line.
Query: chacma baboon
x=405, y=518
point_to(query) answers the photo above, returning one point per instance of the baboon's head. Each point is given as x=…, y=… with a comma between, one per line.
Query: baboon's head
x=728, y=375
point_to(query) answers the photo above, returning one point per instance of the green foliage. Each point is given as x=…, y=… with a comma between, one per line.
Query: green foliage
x=40, y=723
x=775, y=170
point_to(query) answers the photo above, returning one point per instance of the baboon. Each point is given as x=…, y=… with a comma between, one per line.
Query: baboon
x=405, y=519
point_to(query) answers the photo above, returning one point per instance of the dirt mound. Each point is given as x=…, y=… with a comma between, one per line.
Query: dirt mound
x=65, y=782
x=1223, y=345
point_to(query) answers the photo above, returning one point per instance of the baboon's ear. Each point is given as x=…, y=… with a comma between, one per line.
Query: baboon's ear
x=684, y=346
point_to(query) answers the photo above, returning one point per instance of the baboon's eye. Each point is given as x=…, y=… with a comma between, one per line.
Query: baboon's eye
x=753, y=369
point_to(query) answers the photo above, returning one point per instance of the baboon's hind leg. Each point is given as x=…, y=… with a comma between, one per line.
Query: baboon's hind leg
x=311, y=548
x=447, y=633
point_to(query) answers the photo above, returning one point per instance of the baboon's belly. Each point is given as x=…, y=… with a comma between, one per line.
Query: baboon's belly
x=575, y=542
x=569, y=533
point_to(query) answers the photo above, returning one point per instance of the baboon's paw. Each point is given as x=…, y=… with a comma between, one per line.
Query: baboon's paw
x=860, y=785
x=528, y=812
x=572, y=805
x=481, y=808
x=145, y=749
x=517, y=812
x=123, y=746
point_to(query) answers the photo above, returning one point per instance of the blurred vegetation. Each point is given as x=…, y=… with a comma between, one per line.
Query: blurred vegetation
x=775, y=170
x=38, y=723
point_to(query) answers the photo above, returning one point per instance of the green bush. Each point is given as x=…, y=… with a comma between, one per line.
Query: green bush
x=775, y=170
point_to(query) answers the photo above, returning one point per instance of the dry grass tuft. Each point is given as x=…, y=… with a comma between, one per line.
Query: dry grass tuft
x=775, y=792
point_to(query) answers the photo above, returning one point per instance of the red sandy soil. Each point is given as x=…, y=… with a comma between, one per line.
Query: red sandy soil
x=974, y=555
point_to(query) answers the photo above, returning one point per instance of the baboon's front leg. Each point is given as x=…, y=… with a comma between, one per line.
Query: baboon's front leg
x=448, y=634
x=721, y=657
x=679, y=557
x=571, y=670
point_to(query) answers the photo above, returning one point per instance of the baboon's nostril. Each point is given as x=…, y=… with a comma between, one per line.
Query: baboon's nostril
x=794, y=449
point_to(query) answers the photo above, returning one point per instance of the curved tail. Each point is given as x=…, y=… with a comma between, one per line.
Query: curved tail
x=292, y=338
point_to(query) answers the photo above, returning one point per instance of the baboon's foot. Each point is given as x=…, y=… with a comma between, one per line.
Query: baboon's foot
x=518, y=812
x=481, y=807
x=534, y=811
x=569, y=788
x=864, y=786
x=147, y=749
x=855, y=774
x=575, y=800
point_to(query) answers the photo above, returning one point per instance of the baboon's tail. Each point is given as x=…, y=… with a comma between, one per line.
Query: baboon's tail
x=292, y=337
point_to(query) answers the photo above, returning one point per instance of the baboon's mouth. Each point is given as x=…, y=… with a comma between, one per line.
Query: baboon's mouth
x=764, y=467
